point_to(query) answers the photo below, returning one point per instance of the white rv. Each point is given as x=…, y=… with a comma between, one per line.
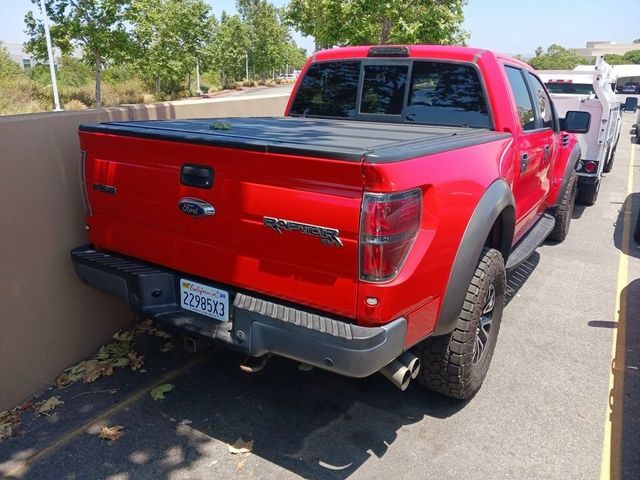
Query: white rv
x=589, y=91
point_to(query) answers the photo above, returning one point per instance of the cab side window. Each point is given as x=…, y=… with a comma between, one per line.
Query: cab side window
x=542, y=99
x=522, y=98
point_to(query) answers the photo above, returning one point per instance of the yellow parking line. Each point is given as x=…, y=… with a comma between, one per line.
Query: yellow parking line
x=611, y=447
x=22, y=468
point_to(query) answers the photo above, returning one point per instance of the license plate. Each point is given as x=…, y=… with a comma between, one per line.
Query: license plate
x=204, y=300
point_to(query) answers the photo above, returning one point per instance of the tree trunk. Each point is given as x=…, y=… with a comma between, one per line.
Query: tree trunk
x=189, y=83
x=157, y=85
x=98, y=80
x=385, y=31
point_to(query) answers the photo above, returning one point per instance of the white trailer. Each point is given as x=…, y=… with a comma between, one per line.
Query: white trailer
x=589, y=91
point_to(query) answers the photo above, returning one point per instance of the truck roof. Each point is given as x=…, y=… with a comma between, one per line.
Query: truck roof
x=567, y=75
x=450, y=52
x=349, y=140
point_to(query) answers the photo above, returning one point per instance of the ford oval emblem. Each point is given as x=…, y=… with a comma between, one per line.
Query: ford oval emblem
x=195, y=207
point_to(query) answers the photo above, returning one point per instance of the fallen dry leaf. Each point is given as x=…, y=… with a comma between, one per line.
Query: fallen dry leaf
x=135, y=360
x=240, y=446
x=24, y=406
x=167, y=347
x=157, y=393
x=8, y=420
x=123, y=336
x=94, y=369
x=121, y=362
x=6, y=431
x=49, y=405
x=160, y=334
x=145, y=325
x=111, y=433
x=108, y=357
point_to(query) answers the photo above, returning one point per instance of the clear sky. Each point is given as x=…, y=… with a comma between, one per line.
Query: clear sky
x=510, y=26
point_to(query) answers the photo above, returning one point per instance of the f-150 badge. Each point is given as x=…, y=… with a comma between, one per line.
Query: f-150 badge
x=328, y=236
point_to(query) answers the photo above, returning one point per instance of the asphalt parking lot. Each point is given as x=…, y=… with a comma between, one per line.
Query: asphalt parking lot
x=568, y=351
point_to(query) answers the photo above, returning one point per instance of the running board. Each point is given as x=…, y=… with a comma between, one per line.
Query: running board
x=531, y=241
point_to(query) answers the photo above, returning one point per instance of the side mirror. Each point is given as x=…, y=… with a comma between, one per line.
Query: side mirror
x=576, y=122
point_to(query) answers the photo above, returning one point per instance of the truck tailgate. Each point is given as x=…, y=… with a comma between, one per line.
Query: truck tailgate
x=134, y=187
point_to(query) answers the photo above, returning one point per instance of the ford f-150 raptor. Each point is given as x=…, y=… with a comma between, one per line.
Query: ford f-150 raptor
x=368, y=229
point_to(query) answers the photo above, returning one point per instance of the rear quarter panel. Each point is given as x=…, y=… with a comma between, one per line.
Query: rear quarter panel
x=452, y=184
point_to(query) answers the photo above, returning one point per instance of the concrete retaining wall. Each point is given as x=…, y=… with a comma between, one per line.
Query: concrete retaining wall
x=49, y=319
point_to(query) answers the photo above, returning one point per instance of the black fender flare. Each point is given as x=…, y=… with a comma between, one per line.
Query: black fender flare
x=493, y=202
x=574, y=157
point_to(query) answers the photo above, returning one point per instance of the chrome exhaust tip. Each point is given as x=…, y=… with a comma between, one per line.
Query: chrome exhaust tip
x=410, y=361
x=398, y=374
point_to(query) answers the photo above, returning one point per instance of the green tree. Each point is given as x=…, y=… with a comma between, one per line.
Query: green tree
x=169, y=37
x=637, y=40
x=294, y=56
x=556, y=58
x=357, y=22
x=230, y=44
x=613, y=59
x=8, y=68
x=632, y=56
x=270, y=42
x=97, y=27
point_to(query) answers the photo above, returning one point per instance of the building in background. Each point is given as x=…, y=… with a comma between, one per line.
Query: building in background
x=22, y=58
x=596, y=48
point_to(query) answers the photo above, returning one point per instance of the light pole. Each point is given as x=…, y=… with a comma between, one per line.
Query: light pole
x=198, y=90
x=52, y=68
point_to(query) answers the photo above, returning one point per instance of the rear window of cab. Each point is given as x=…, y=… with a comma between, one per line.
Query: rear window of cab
x=420, y=91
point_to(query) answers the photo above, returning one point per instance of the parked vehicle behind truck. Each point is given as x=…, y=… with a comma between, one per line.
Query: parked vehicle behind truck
x=589, y=91
x=369, y=229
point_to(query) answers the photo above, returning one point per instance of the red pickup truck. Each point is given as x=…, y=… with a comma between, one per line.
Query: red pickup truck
x=369, y=229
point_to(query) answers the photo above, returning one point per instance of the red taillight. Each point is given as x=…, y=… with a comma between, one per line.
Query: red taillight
x=590, y=167
x=389, y=225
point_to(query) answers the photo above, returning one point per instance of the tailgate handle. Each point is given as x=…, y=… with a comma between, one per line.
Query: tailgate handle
x=197, y=176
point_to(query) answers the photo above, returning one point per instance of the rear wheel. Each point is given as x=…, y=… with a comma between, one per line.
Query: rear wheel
x=456, y=364
x=588, y=193
x=564, y=211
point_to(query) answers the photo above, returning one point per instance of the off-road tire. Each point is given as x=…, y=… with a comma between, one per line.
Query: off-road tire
x=449, y=363
x=564, y=211
x=588, y=193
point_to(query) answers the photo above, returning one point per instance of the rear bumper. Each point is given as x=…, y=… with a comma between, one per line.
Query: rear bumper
x=588, y=179
x=257, y=325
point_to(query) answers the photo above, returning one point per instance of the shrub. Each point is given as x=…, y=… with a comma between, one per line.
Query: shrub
x=75, y=105
x=20, y=95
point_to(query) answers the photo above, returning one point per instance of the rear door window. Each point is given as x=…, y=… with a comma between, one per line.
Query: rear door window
x=447, y=94
x=328, y=89
x=522, y=98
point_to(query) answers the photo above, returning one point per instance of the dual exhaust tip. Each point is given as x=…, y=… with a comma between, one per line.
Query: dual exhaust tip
x=402, y=370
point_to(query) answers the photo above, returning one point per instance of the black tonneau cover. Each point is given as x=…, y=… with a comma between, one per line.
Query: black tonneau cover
x=348, y=140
